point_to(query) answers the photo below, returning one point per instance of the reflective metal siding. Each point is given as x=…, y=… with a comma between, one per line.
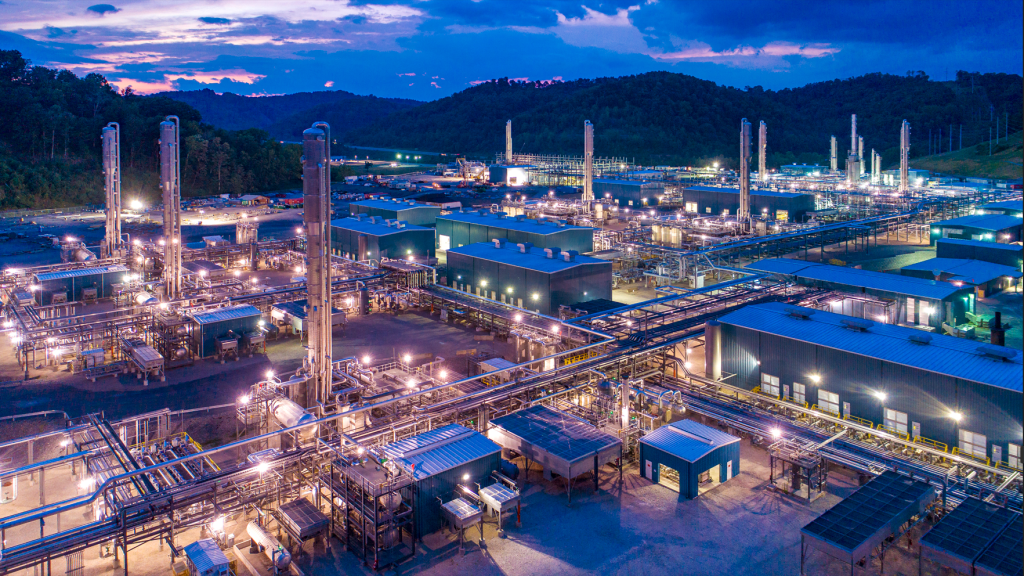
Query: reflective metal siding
x=432, y=490
x=927, y=398
x=689, y=473
x=995, y=413
x=740, y=352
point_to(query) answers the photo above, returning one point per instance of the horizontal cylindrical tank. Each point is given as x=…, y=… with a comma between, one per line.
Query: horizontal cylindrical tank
x=83, y=255
x=271, y=547
x=143, y=297
x=288, y=414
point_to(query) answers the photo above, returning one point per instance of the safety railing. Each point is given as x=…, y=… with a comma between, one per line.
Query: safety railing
x=935, y=444
x=984, y=460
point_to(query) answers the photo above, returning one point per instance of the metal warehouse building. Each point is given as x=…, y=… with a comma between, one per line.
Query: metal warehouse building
x=72, y=283
x=1006, y=208
x=878, y=295
x=629, y=192
x=528, y=277
x=465, y=228
x=213, y=325
x=986, y=277
x=680, y=454
x=370, y=238
x=787, y=206
x=1005, y=254
x=439, y=461
x=415, y=213
x=953, y=391
x=985, y=227
x=518, y=175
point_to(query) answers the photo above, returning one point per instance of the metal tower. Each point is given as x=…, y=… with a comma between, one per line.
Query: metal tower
x=860, y=154
x=744, y=213
x=508, y=142
x=170, y=184
x=762, y=147
x=905, y=157
x=316, y=196
x=111, y=137
x=835, y=156
x=852, y=165
x=588, y=162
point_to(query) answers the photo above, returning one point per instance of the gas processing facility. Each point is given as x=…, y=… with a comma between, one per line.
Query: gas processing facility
x=665, y=341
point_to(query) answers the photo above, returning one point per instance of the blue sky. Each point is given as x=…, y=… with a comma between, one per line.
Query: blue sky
x=427, y=49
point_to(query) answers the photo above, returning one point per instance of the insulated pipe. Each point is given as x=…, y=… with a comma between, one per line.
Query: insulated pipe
x=277, y=553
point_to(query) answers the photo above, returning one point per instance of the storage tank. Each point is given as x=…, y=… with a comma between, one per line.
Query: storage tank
x=277, y=553
x=289, y=414
x=142, y=298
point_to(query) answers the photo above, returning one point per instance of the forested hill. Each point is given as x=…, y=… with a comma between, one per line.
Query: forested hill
x=50, y=123
x=286, y=116
x=663, y=117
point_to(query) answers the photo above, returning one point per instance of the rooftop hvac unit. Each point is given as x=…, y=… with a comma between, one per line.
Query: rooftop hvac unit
x=520, y=217
x=552, y=252
x=499, y=242
x=857, y=324
x=997, y=352
x=920, y=338
x=525, y=247
x=569, y=255
x=797, y=312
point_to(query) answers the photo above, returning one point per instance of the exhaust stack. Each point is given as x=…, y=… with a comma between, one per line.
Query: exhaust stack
x=111, y=138
x=316, y=194
x=170, y=184
x=762, y=147
x=744, y=212
x=835, y=156
x=905, y=157
x=588, y=162
x=508, y=142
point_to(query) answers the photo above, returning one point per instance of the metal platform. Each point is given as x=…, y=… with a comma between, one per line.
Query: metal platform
x=302, y=519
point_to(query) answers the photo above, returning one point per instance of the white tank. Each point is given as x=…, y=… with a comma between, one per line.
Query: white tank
x=83, y=255
x=144, y=297
x=288, y=414
x=277, y=553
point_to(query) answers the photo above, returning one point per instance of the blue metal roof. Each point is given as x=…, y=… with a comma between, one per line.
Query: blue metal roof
x=559, y=434
x=946, y=355
x=392, y=204
x=364, y=226
x=752, y=192
x=440, y=450
x=883, y=281
x=991, y=222
x=640, y=183
x=688, y=440
x=981, y=244
x=227, y=313
x=298, y=308
x=207, y=557
x=536, y=259
x=967, y=271
x=525, y=225
x=78, y=273
x=1004, y=205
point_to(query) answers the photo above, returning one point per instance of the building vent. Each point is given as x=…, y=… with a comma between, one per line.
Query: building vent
x=520, y=217
x=358, y=217
x=500, y=215
x=373, y=219
x=482, y=212
x=569, y=255
x=499, y=242
x=798, y=312
x=389, y=223
x=857, y=324
x=401, y=224
x=997, y=352
x=920, y=338
x=552, y=252
x=525, y=247
x=562, y=223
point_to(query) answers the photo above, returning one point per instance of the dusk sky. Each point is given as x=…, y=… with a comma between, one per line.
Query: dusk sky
x=427, y=49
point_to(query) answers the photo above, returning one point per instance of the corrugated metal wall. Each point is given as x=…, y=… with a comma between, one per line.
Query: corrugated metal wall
x=430, y=489
x=927, y=398
x=207, y=334
x=464, y=233
x=997, y=255
x=398, y=245
x=689, y=473
x=717, y=202
x=101, y=281
x=415, y=215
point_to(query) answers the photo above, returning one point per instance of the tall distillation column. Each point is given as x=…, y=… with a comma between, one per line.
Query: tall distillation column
x=743, y=215
x=852, y=167
x=905, y=157
x=111, y=137
x=860, y=154
x=835, y=156
x=762, y=148
x=508, y=142
x=588, y=164
x=316, y=196
x=170, y=185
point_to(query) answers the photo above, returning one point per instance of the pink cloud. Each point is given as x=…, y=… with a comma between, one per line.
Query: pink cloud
x=434, y=84
x=329, y=84
x=478, y=82
x=699, y=51
x=407, y=74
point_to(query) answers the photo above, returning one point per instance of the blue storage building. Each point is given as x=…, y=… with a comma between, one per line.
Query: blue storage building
x=1005, y=254
x=987, y=278
x=958, y=392
x=465, y=228
x=984, y=227
x=785, y=206
x=415, y=213
x=72, y=282
x=1006, y=207
x=212, y=325
x=438, y=462
x=370, y=238
x=677, y=455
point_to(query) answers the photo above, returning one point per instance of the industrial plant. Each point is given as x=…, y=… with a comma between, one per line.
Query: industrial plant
x=395, y=384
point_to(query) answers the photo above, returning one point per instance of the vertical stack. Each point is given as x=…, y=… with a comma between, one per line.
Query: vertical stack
x=762, y=148
x=508, y=142
x=835, y=156
x=170, y=185
x=852, y=165
x=588, y=162
x=860, y=155
x=744, y=212
x=316, y=194
x=905, y=157
x=112, y=186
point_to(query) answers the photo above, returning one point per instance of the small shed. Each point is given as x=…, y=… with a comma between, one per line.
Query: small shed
x=72, y=283
x=689, y=457
x=219, y=322
x=205, y=558
x=439, y=461
x=563, y=444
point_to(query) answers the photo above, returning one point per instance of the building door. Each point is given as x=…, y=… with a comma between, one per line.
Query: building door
x=649, y=471
x=445, y=242
x=668, y=477
x=728, y=470
x=785, y=391
x=997, y=453
x=916, y=427
x=846, y=409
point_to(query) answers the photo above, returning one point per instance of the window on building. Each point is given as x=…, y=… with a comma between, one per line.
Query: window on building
x=895, y=421
x=691, y=207
x=973, y=444
x=445, y=242
x=708, y=209
x=828, y=402
x=770, y=385
x=799, y=393
x=1014, y=458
